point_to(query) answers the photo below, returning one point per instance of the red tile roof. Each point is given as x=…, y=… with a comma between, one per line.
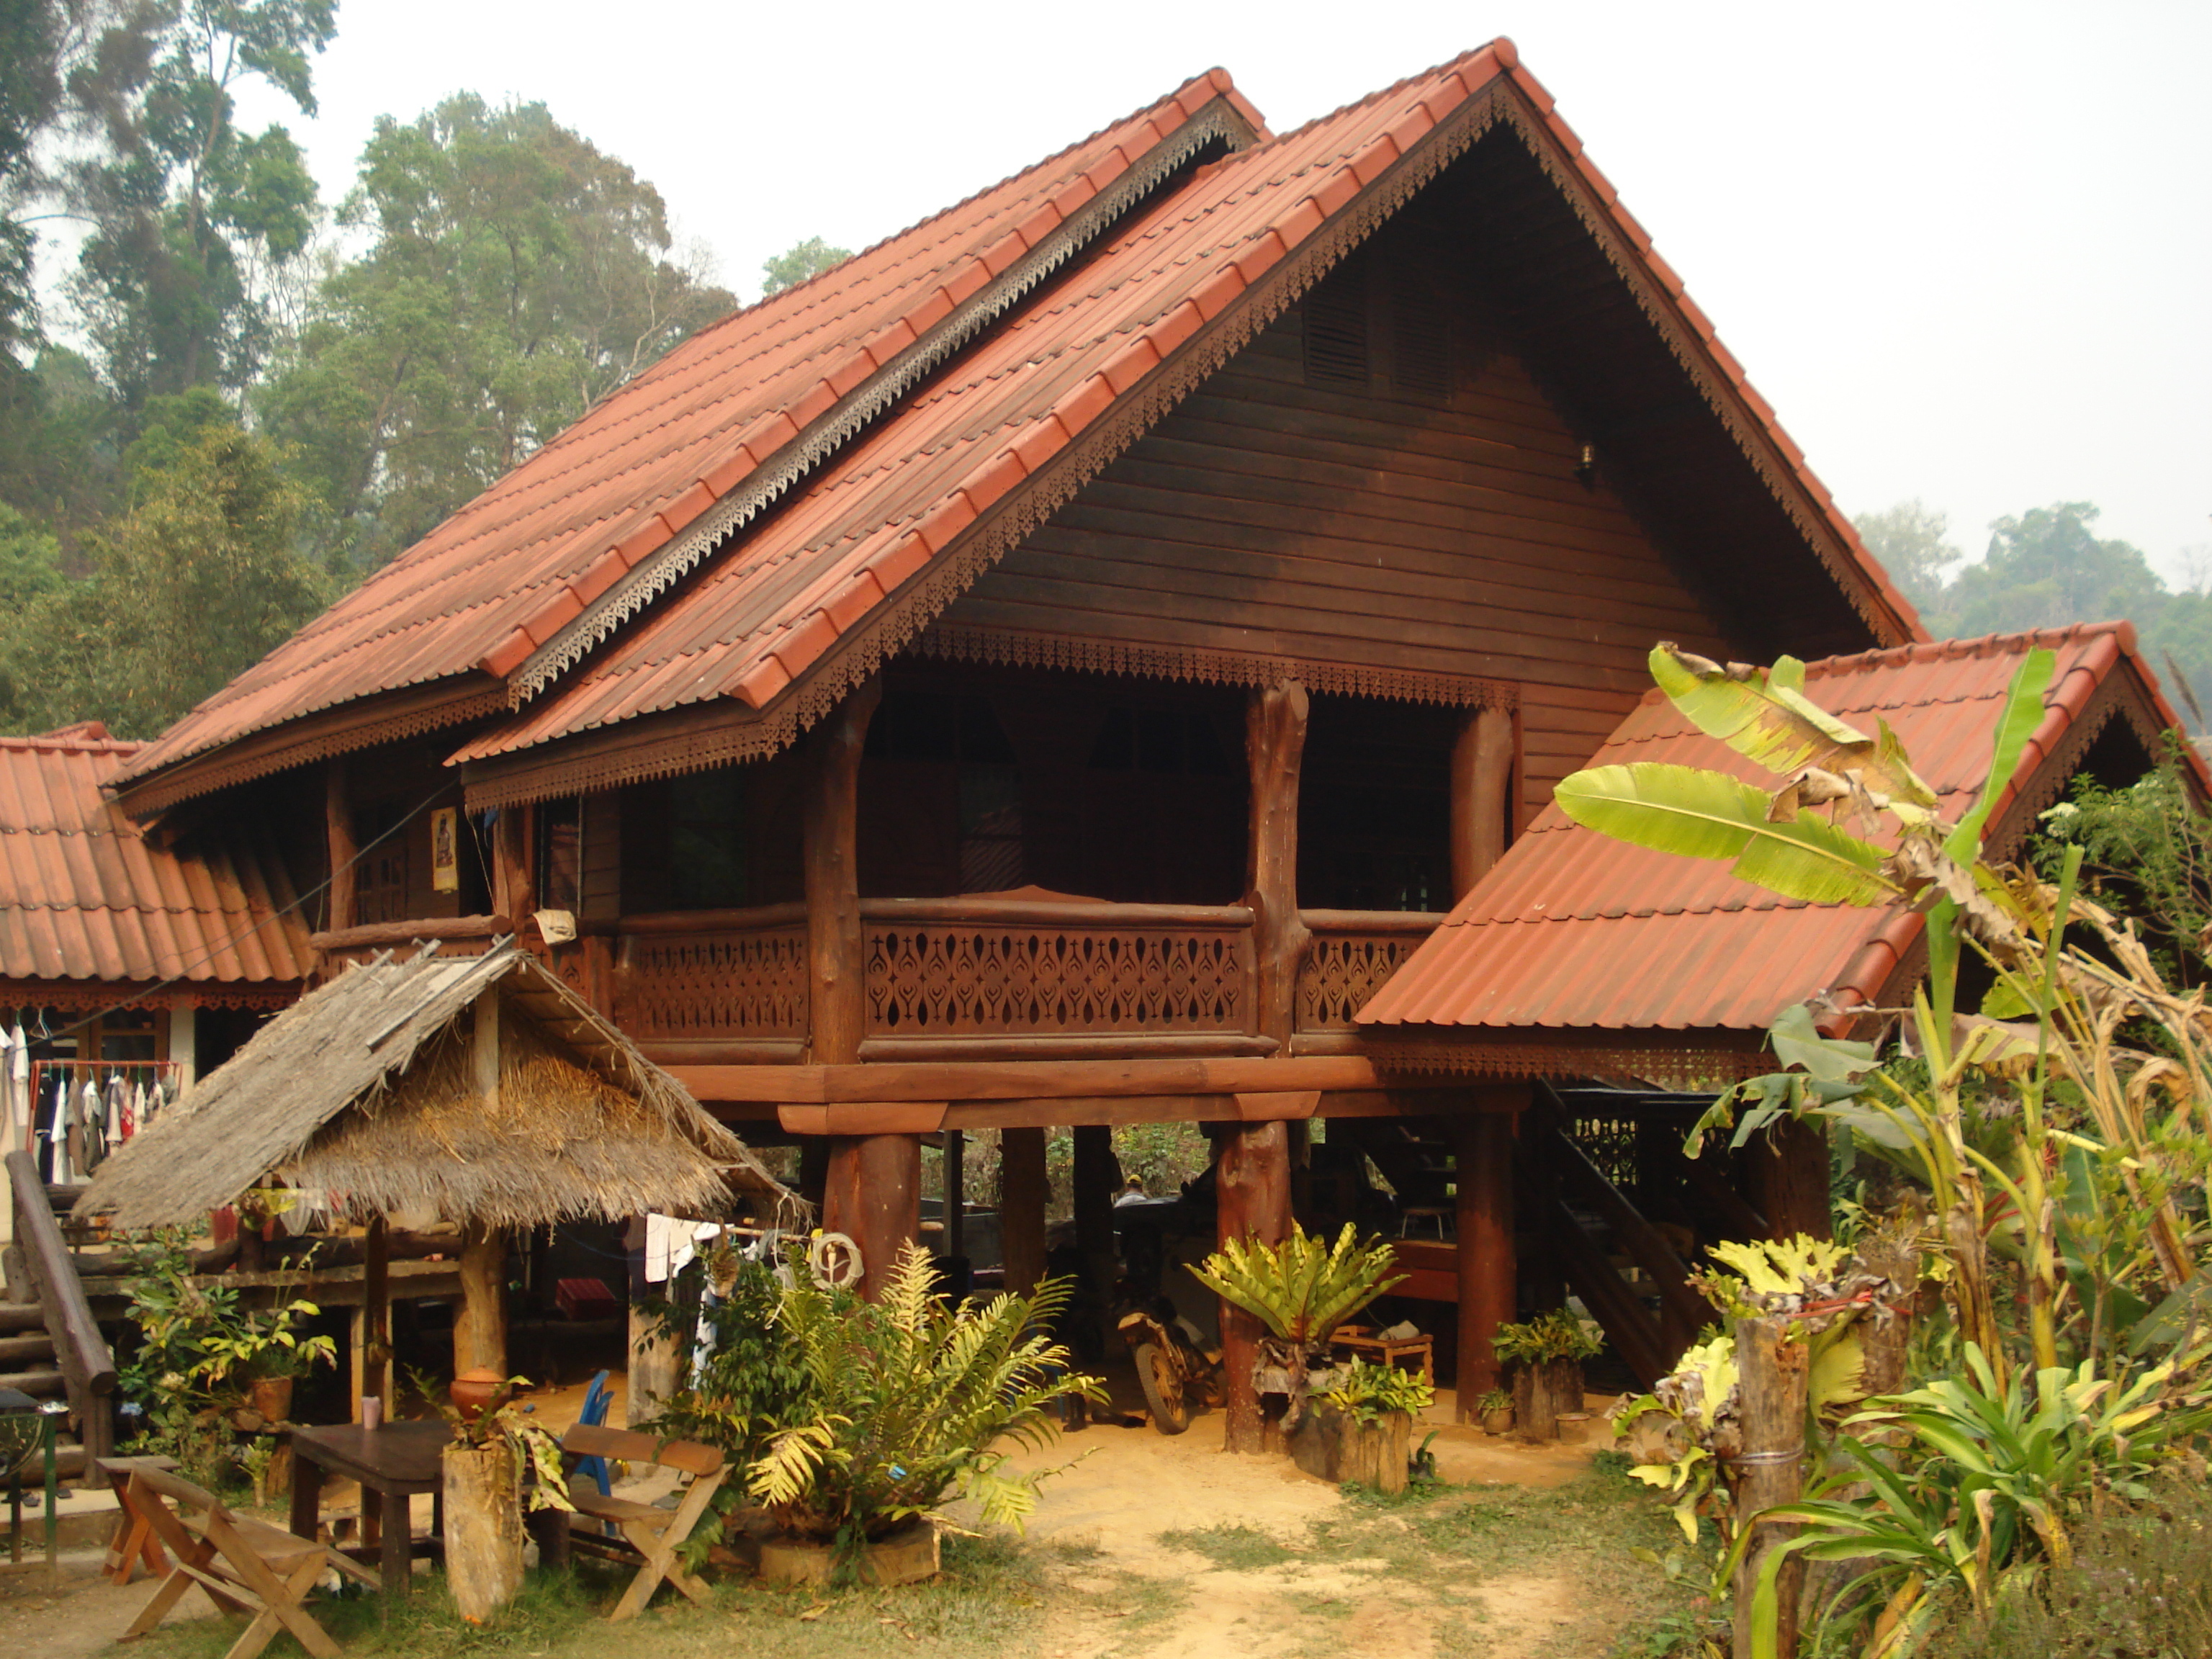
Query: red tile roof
x=558, y=555
x=516, y=565
x=84, y=895
x=1575, y=931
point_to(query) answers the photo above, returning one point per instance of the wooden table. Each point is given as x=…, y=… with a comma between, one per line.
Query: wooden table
x=1387, y=1351
x=395, y=1462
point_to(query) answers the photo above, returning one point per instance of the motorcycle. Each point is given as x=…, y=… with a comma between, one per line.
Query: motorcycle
x=1176, y=1368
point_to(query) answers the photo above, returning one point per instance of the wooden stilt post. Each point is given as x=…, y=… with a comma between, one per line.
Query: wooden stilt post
x=1483, y=1152
x=1097, y=1175
x=1252, y=1190
x=340, y=904
x=1771, y=1371
x=1021, y=1195
x=1275, y=751
x=375, y=1370
x=956, y=1194
x=480, y=1327
x=1790, y=1170
x=872, y=1194
x=1482, y=786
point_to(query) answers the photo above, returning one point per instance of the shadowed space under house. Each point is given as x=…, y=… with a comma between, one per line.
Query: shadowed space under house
x=369, y=1099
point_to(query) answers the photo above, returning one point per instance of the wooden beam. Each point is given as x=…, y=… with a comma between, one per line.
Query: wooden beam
x=1252, y=1190
x=1021, y=1195
x=956, y=1194
x=973, y=1080
x=514, y=877
x=1481, y=787
x=837, y=991
x=1482, y=1147
x=1275, y=751
x=375, y=1368
x=872, y=1194
x=865, y=1117
x=341, y=907
x=1097, y=1177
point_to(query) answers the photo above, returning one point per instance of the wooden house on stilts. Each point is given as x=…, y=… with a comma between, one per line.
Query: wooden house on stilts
x=1059, y=666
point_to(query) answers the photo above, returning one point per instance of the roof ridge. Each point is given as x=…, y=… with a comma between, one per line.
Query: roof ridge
x=1502, y=46
x=1977, y=645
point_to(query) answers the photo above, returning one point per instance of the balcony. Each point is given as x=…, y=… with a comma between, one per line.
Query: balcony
x=992, y=977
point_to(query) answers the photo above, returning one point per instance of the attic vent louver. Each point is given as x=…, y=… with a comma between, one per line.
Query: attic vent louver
x=1421, y=349
x=1335, y=317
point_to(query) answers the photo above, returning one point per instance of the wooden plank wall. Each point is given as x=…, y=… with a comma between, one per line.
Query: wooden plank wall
x=1266, y=515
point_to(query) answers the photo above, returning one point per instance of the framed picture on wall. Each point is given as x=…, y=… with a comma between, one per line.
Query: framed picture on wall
x=445, y=850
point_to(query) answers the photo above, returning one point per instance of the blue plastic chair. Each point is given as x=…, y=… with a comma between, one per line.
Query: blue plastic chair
x=595, y=1401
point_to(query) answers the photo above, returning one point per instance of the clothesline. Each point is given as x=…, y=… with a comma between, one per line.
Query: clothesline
x=70, y=1113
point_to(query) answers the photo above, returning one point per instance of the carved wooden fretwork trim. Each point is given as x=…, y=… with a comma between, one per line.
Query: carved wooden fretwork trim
x=1094, y=654
x=78, y=995
x=1216, y=123
x=194, y=779
x=1611, y=1055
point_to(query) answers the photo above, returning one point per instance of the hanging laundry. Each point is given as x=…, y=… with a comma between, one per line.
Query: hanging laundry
x=136, y=1114
x=19, y=1079
x=11, y=1130
x=67, y=1135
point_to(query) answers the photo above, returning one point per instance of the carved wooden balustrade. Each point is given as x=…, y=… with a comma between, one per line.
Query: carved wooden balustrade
x=701, y=975
x=990, y=974
x=961, y=967
x=1350, y=954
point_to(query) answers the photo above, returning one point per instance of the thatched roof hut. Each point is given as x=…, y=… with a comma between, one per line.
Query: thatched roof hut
x=369, y=1097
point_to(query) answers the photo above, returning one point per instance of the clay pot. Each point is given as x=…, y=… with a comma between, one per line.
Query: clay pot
x=905, y=1557
x=271, y=1396
x=1499, y=1421
x=473, y=1392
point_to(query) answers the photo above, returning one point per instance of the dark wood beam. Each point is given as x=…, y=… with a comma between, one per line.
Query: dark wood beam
x=837, y=993
x=1481, y=788
x=1022, y=1196
x=1252, y=1188
x=340, y=907
x=1482, y=1148
x=973, y=1080
x=1275, y=750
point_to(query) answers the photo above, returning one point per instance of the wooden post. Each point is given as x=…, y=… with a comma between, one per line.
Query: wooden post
x=513, y=872
x=480, y=1326
x=1771, y=1370
x=1022, y=1194
x=1483, y=1152
x=1252, y=1190
x=374, y=1373
x=1275, y=750
x=1790, y=1174
x=872, y=1194
x=1096, y=1175
x=835, y=947
x=337, y=827
x=1482, y=782
x=956, y=1194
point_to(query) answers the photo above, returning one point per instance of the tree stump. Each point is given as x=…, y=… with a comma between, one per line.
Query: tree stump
x=483, y=1529
x=1336, y=1446
x=1772, y=1368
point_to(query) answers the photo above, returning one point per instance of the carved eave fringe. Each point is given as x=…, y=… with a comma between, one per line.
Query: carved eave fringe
x=78, y=994
x=1701, y=1059
x=1216, y=122
x=1096, y=654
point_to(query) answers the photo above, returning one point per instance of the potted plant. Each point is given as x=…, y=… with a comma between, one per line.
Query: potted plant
x=1547, y=1355
x=1495, y=1408
x=1361, y=1428
x=904, y=1403
x=492, y=1451
x=1301, y=1290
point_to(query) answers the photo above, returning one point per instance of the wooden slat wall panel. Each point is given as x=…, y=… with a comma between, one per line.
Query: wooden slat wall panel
x=600, y=899
x=1266, y=516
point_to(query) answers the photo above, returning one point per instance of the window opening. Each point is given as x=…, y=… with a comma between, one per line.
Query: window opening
x=709, y=866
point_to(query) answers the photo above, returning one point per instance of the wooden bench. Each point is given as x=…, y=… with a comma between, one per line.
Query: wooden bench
x=245, y=1566
x=645, y=1533
x=134, y=1539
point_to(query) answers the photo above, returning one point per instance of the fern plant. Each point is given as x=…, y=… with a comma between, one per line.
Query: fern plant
x=910, y=1401
x=1301, y=1289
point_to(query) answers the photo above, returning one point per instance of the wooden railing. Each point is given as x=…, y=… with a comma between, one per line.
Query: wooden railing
x=87, y=1366
x=996, y=967
x=709, y=984
x=1351, y=955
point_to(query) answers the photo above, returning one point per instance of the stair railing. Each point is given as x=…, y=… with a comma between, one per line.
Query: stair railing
x=87, y=1365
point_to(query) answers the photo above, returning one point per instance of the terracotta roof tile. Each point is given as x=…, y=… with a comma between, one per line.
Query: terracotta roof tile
x=84, y=895
x=1576, y=930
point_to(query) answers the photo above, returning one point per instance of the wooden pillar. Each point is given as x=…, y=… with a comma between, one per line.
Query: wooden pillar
x=1790, y=1175
x=1097, y=1177
x=1252, y=1188
x=1482, y=1149
x=341, y=906
x=872, y=1194
x=835, y=947
x=1275, y=750
x=1481, y=785
x=1022, y=1194
x=373, y=1371
x=480, y=1324
x=513, y=872
x=955, y=1194
x=185, y=1044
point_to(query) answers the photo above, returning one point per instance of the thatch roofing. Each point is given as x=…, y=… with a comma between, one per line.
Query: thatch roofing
x=362, y=1097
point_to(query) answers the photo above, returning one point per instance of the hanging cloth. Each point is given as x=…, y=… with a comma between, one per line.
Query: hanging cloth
x=19, y=1078
x=68, y=1137
x=135, y=1113
x=11, y=1123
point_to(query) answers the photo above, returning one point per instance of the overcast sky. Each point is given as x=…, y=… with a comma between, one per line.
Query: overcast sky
x=1961, y=247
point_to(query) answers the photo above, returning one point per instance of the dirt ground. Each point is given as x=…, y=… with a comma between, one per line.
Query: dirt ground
x=1148, y=1546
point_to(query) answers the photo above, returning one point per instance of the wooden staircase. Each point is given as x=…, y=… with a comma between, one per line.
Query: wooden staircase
x=51, y=1346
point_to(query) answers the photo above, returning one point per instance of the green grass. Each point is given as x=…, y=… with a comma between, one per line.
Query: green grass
x=1239, y=1549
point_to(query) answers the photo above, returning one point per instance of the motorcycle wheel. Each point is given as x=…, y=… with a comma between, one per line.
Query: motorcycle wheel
x=1156, y=1375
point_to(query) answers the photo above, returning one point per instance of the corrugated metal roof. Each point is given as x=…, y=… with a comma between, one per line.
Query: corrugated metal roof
x=84, y=895
x=509, y=579
x=1575, y=930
